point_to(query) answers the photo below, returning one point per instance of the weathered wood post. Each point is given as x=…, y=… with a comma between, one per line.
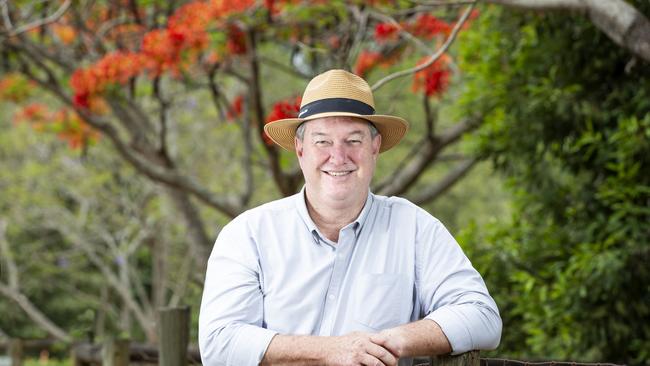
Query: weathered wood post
x=16, y=351
x=115, y=352
x=173, y=336
x=471, y=358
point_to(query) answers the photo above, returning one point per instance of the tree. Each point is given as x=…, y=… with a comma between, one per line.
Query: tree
x=161, y=80
x=567, y=120
x=88, y=248
x=156, y=81
x=620, y=20
x=124, y=73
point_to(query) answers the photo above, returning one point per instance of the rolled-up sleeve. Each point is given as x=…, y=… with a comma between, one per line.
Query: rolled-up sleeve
x=231, y=317
x=452, y=293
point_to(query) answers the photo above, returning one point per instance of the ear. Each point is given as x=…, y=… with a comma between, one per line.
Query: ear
x=376, y=144
x=299, y=147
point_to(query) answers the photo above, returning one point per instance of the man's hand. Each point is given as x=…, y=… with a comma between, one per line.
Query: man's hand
x=357, y=349
x=393, y=340
x=421, y=338
x=347, y=350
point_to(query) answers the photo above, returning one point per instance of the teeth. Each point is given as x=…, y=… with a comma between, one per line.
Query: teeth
x=338, y=174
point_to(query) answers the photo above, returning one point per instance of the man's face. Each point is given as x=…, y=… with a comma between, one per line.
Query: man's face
x=337, y=157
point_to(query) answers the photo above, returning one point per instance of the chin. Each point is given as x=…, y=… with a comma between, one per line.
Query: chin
x=342, y=196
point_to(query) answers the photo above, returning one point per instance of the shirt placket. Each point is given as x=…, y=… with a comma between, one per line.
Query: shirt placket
x=343, y=252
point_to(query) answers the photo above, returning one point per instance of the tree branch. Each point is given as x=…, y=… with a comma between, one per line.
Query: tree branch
x=214, y=92
x=169, y=177
x=247, y=163
x=156, y=172
x=442, y=2
x=34, y=313
x=7, y=256
x=124, y=292
x=11, y=291
x=432, y=192
x=433, y=57
x=623, y=23
x=407, y=174
x=181, y=285
x=152, y=169
x=199, y=243
x=429, y=116
x=41, y=22
x=163, y=117
x=402, y=32
x=282, y=67
x=272, y=152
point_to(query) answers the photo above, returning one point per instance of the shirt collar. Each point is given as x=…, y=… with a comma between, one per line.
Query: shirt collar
x=301, y=205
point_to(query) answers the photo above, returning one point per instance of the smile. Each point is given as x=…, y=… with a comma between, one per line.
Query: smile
x=338, y=174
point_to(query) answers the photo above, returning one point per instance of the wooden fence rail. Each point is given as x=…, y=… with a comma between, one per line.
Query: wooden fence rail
x=86, y=354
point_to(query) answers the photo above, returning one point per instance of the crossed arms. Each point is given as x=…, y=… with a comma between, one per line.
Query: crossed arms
x=423, y=337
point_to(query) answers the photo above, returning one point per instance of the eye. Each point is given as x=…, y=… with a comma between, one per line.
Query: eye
x=322, y=142
x=354, y=142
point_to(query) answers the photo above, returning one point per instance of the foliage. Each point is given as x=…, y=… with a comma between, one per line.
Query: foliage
x=73, y=222
x=568, y=121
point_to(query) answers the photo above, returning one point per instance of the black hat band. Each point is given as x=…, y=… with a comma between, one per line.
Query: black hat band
x=336, y=105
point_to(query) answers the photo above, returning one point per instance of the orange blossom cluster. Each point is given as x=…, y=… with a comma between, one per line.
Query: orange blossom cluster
x=67, y=125
x=434, y=79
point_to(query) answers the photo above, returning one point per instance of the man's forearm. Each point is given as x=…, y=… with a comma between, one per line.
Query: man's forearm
x=420, y=338
x=293, y=350
x=354, y=348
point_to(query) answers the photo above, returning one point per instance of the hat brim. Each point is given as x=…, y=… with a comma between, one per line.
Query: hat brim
x=391, y=128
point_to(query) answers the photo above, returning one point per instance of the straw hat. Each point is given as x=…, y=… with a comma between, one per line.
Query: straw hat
x=337, y=93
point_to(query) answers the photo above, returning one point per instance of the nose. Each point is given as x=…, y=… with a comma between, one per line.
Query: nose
x=338, y=154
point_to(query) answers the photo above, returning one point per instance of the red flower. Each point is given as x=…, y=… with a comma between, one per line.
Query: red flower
x=288, y=108
x=161, y=50
x=189, y=24
x=434, y=79
x=35, y=113
x=427, y=26
x=81, y=100
x=366, y=61
x=113, y=68
x=224, y=8
x=386, y=32
x=15, y=87
x=236, y=43
x=72, y=129
x=236, y=108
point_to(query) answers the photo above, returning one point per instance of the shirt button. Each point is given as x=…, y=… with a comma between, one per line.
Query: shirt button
x=331, y=297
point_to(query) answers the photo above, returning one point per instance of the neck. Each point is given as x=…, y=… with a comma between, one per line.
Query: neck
x=330, y=219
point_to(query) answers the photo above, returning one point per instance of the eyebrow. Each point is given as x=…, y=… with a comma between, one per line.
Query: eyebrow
x=355, y=132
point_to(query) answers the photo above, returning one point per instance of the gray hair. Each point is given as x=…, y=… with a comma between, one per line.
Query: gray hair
x=300, y=131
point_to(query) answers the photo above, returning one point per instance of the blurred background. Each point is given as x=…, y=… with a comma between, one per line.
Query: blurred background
x=131, y=131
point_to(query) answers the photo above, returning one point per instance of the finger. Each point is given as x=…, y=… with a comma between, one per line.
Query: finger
x=378, y=338
x=370, y=360
x=381, y=353
x=387, y=343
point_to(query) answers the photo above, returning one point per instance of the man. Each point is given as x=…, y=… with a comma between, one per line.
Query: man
x=335, y=275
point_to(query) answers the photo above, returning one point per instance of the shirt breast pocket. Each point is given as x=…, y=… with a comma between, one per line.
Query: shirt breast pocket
x=382, y=300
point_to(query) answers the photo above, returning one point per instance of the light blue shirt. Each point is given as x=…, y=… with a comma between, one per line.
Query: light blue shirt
x=271, y=271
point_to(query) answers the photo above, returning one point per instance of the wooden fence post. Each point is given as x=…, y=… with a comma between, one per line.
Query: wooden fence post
x=115, y=352
x=174, y=336
x=76, y=360
x=16, y=352
x=471, y=358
